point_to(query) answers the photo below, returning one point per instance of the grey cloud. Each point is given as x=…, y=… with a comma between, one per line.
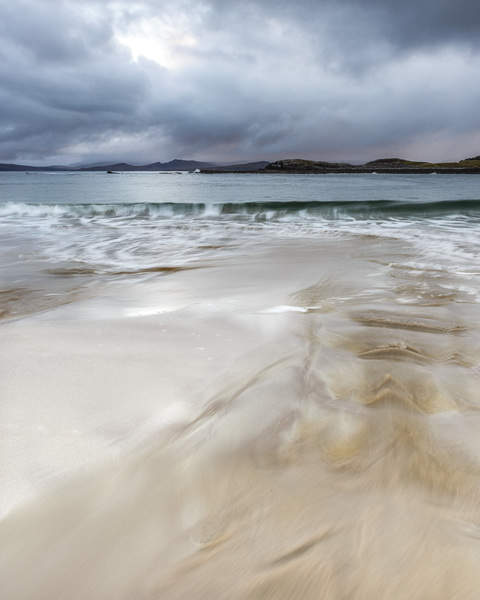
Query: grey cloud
x=356, y=33
x=424, y=22
x=54, y=31
x=265, y=79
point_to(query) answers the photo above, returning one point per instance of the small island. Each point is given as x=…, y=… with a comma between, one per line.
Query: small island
x=382, y=165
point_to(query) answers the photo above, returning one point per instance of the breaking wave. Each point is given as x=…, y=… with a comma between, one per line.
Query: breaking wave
x=253, y=210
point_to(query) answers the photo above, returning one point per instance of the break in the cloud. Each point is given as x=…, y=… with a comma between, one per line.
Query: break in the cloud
x=149, y=80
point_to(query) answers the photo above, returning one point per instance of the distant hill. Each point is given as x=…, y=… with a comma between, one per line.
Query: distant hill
x=173, y=165
x=176, y=164
x=253, y=166
x=381, y=165
x=184, y=165
x=13, y=167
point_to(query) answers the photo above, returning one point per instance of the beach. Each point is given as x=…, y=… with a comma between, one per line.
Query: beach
x=246, y=402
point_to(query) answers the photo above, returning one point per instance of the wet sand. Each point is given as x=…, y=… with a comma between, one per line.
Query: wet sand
x=298, y=422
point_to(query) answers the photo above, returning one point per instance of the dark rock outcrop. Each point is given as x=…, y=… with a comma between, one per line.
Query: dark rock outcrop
x=307, y=166
x=390, y=162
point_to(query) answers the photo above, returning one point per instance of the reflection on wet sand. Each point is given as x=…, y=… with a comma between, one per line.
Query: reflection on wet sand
x=334, y=455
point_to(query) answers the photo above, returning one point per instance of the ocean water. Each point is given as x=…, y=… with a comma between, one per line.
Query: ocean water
x=239, y=386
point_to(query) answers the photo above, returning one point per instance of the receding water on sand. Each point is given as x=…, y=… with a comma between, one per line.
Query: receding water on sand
x=294, y=417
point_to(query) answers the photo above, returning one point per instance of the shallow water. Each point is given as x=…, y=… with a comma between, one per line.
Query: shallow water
x=243, y=403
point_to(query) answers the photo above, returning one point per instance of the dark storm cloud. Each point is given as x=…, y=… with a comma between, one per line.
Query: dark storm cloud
x=333, y=79
x=424, y=22
x=63, y=78
x=404, y=25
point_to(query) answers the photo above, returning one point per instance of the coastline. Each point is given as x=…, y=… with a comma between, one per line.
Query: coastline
x=353, y=170
x=289, y=165
x=396, y=166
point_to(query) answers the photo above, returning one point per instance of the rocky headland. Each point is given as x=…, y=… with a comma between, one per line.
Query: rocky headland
x=382, y=165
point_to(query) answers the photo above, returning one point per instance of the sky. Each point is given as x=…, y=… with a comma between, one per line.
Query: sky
x=85, y=81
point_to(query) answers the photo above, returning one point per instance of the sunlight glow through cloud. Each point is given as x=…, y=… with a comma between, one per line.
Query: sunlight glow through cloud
x=157, y=41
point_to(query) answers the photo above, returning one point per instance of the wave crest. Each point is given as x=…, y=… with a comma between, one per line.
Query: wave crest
x=261, y=210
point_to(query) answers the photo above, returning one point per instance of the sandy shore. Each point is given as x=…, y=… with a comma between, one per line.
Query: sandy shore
x=294, y=424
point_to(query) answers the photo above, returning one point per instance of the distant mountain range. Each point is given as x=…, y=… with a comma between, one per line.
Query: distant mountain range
x=290, y=165
x=173, y=165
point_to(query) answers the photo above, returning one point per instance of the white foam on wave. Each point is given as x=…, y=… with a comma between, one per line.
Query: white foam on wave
x=22, y=209
x=213, y=209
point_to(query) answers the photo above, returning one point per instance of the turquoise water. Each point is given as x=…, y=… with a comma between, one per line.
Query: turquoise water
x=84, y=188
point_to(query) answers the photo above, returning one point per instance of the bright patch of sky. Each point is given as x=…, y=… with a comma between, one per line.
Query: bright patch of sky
x=162, y=43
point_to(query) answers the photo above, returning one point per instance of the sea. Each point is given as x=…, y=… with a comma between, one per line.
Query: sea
x=242, y=386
